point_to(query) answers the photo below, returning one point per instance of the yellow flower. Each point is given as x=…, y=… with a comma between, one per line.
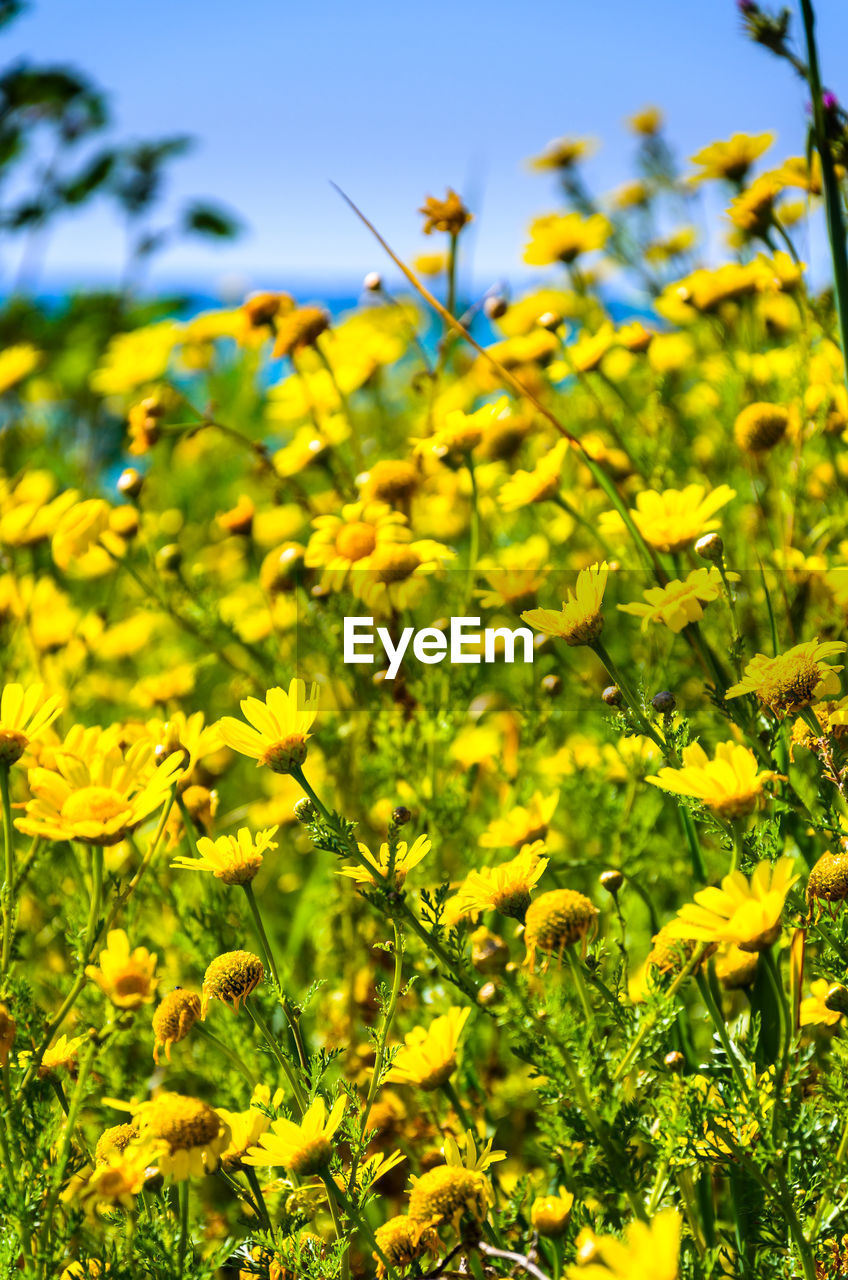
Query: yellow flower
x=118, y=1179
x=189, y=1133
x=449, y=214
x=299, y=329
x=461, y=432
x=649, y=1251
x=505, y=888
x=447, y=1193
x=406, y=857
x=521, y=825
x=98, y=801
x=729, y=784
x=402, y=1241
x=346, y=541
x=550, y=1215
x=744, y=912
x=15, y=363
x=538, y=485
x=815, y=1010
x=759, y=427
x=125, y=976
x=563, y=237
x=304, y=1148
x=794, y=679
x=62, y=1053
x=580, y=620
x=752, y=211
x=134, y=358
x=671, y=520
x=393, y=576
x=557, y=920
x=173, y=1020
x=428, y=1057
x=467, y=1156
x=24, y=715
x=83, y=540
x=391, y=480
x=678, y=603
x=247, y=1127
x=732, y=159
x=233, y=859
x=231, y=978
x=280, y=727
x=646, y=122
x=563, y=153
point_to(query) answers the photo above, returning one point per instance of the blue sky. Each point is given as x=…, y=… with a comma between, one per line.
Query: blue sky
x=395, y=100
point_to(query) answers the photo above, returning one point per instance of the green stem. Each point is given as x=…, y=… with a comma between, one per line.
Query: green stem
x=9, y=871
x=184, y=1185
x=721, y=1030
x=271, y=964
x=65, y=1149
x=574, y=963
x=379, y=1057
x=264, y=1030
x=833, y=206
x=230, y=1054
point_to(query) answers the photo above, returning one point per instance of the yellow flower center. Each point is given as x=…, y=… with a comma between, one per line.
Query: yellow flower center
x=794, y=687
x=393, y=561
x=181, y=1122
x=94, y=804
x=132, y=982
x=446, y=1192
x=356, y=540
x=311, y=1157
x=557, y=919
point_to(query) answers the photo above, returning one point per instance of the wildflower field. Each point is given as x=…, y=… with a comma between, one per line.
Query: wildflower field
x=424, y=743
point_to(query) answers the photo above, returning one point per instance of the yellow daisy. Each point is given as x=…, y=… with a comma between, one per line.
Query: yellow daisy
x=124, y=975
x=580, y=620
x=428, y=1056
x=278, y=727
x=98, y=800
x=346, y=541
x=304, y=1148
x=675, y=518
x=678, y=603
x=505, y=888
x=406, y=857
x=730, y=784
x=233, y=859
x=24, y=715
x=744, y=912
x=794, y=679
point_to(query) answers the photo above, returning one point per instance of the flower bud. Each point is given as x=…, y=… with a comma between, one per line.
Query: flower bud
x=169, y=558
x=551, y=685
x=710, y=547
x=305, y=812
x=836, y=998
x=549, y=320
x=664, y=702
x=611, y=880
x=373, y=282
x=675, y=1061
x=401, y=815
x=494, y=307
x=130, y=482
x=611, y=695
